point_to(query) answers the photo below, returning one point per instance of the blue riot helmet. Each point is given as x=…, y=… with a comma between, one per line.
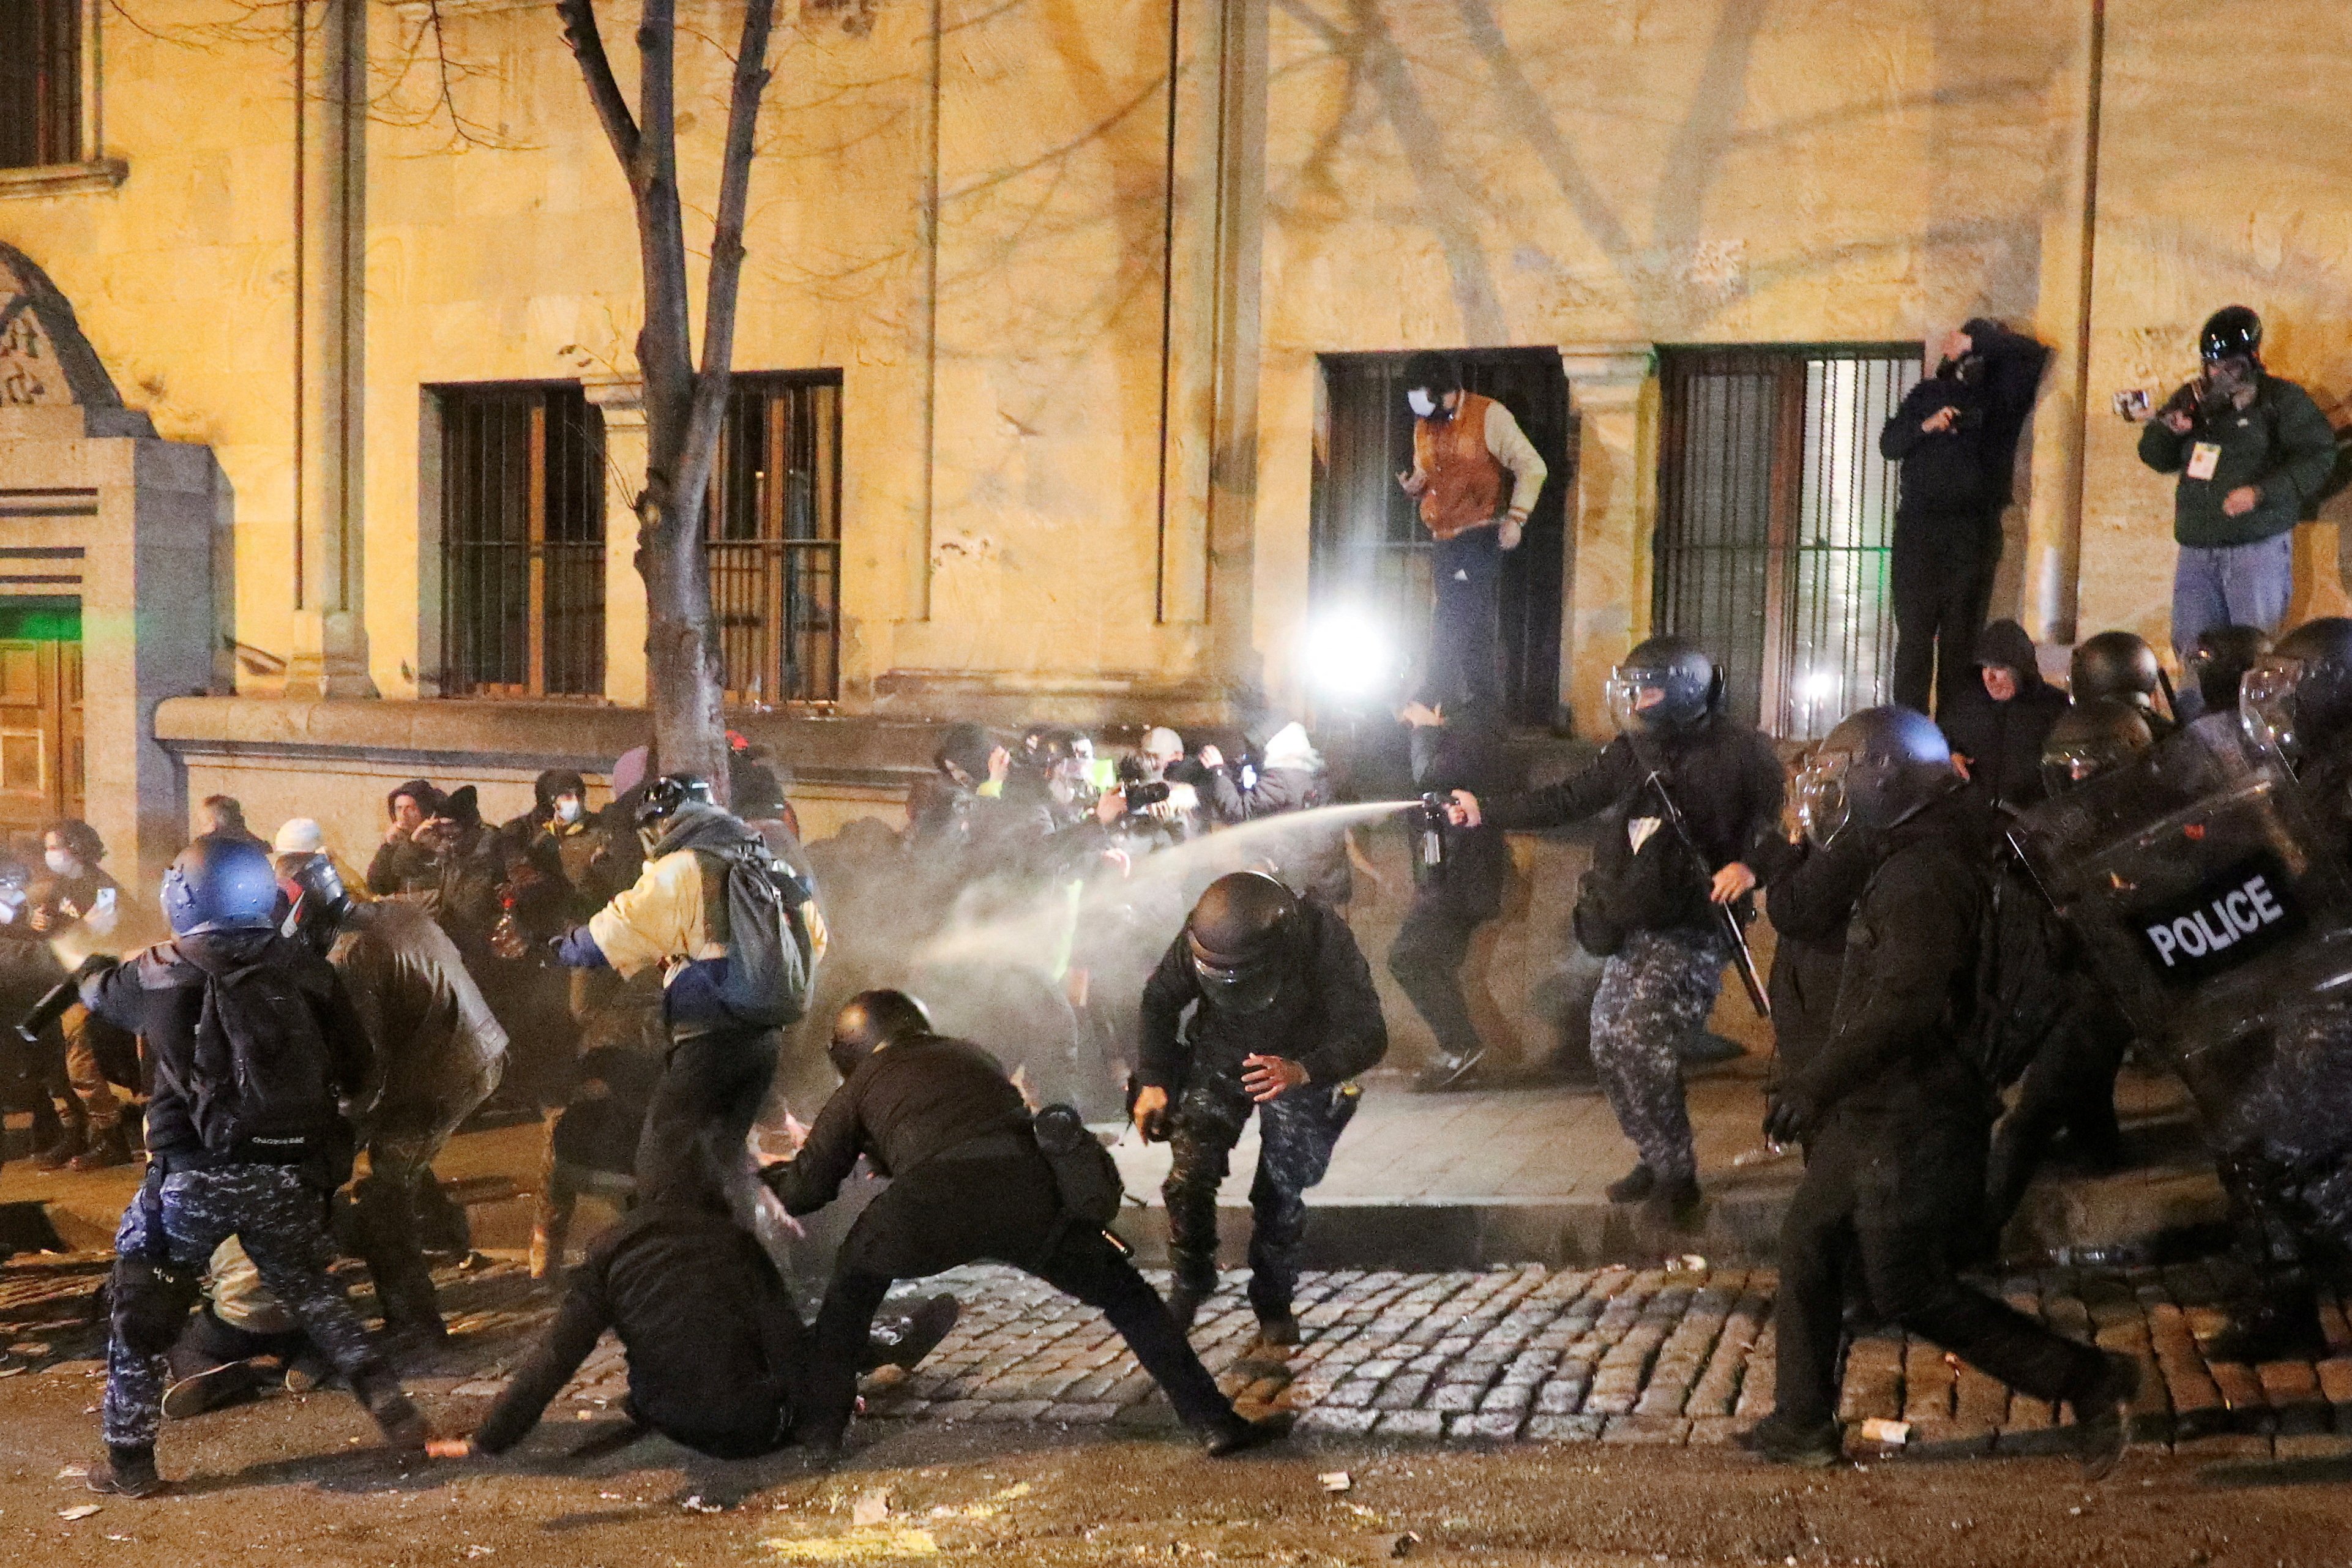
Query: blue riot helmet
x=220, y=885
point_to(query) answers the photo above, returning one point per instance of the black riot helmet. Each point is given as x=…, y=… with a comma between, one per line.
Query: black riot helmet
x=2233, y=332
x=1239, y=938
x=667, y=796
x=2219, y=661
x=1878, y=768
x=2116, y=664
x=2089, y=739
x=1667, y=686
x=871, y=1020
x=315, y=889
x=2299, y=696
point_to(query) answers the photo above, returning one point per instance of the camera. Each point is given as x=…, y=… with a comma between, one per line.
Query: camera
x=1142, y=797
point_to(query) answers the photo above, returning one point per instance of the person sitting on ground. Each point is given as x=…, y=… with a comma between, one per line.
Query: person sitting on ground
x=969, y=1181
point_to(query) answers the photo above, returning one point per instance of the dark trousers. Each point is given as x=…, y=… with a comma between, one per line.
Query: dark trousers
x=1900, y=1196
x=1426, y=958
x=1295, y=1137
x=2069, y=1087
x=1465, y=638
x=1942, y=586
x=702, y=1112
x=402, y=1141
x=949, y=1212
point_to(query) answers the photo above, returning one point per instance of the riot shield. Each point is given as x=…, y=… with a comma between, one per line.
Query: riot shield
x=2209, y=901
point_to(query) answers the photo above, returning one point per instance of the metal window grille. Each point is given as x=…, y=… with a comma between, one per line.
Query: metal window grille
x=774, y=535
x=41, y=82
x=1370, y=550
x=522, y=541
x=1775, y=523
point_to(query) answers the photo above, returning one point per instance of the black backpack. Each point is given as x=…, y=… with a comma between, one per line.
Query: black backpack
x=264, y=1077
x=1085, y=1175
x=2020, y=990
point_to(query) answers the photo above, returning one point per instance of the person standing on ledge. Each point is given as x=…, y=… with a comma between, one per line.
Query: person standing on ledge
x=1465, y=445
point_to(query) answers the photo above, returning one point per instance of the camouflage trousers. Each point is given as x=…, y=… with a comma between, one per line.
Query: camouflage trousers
x=1654, y=991
x=169, y=1232
x=1296, y=1136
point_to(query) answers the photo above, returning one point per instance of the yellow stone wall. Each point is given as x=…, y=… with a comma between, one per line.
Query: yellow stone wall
x=1602, y=175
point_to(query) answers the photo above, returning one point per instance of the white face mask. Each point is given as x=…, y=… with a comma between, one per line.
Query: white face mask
x=567, y=808
x=60, y=862
x=1421, y=403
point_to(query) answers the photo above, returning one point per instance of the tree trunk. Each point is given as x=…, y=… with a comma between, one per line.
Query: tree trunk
x=684, y=407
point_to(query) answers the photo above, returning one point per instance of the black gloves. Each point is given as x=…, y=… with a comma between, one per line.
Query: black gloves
x=1787, y=1118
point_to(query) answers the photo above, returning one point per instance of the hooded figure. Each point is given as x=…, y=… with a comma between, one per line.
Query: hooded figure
x=1291, y=778
x=1997, y=730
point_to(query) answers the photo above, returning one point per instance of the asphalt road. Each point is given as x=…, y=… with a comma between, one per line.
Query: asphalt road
x=303, y=1481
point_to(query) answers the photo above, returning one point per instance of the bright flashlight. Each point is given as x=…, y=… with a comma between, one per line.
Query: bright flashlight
x=1818, y=687
x=1346, y=653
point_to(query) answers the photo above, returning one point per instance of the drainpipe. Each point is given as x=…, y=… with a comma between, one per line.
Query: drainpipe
x=2057, y=596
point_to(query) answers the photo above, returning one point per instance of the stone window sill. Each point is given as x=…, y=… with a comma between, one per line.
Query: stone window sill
x=63, y=179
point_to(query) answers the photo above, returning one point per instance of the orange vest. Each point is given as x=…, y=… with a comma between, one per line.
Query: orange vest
x=1466, y=483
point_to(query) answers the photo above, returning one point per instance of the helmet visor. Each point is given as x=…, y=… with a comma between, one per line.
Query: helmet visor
x=1633, y=698
x=1824, y=804
x=2266, y=703
x=1236, y=984
x=2063, y=767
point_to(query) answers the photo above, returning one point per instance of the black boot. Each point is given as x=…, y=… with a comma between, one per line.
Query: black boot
x=1184, y=1298
x=2103, y=1416
x=72, y=1138
x=1784, y=1442
x=1634, y=1185
x=106, y=1151
x=125, y=1472
x=1236, y=1434
x=904, y=1340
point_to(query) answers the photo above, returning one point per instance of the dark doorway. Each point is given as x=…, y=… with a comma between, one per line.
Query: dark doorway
x=1776, y=517
x=1369, y=548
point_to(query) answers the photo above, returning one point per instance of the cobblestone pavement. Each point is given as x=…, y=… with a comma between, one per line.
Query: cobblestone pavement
x=1614, y=1355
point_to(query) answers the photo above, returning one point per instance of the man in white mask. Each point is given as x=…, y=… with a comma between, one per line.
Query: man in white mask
x=1464, y=446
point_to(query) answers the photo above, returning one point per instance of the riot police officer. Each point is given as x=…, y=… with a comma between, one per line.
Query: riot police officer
x=1646, y=906
x=968, y=1181
x=2219, y=660
x=1263, y=1002
x=1895, y=1117
x=2120, y=665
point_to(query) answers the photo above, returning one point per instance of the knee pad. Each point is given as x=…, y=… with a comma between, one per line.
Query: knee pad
x=148, y=1305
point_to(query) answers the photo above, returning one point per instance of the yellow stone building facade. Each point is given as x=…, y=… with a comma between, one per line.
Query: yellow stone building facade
x=1081, y=286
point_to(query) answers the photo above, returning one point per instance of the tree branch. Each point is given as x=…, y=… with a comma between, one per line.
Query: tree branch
x=587, y=41
x=724, y=287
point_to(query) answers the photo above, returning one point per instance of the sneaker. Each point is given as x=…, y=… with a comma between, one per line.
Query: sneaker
x=307, y=1370
x=211, y=1387
x=2103, y=1416
x=905, y=1342
x=1786, y=1442
x=125, y=1472
x=1277, y=1327
x=108, y=1150
x=1446, y=1072
x=1185, y=1299
x=1238, y=1435
x=1634, y=1185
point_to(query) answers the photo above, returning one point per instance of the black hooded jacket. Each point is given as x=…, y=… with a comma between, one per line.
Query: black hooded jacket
x=1477, y=873
x=1327, y=1016
x=2003, y=741
x=1970, y=468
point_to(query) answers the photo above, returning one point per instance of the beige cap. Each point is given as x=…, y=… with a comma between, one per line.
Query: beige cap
x=299, y=835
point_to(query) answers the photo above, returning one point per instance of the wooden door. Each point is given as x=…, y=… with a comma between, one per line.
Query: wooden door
x=40, y=732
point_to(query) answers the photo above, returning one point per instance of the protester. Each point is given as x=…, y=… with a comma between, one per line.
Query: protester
x=303, y=836
x=1465, y=448
x=1996, y=729
x=399, y=860
x=76, y=907
x=2253, y=452
x=1460, y=892
x=223, y=816
x=1289, y=776
x=1955, y=436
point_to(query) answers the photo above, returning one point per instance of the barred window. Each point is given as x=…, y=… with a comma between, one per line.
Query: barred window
x=522, y=541
x=774, y=534
x=41, y=82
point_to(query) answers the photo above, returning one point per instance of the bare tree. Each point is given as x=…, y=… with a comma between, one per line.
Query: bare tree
x=684, y=404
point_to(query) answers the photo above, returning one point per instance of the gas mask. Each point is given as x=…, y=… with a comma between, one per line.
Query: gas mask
x=2223, y=381
x=1422, y=403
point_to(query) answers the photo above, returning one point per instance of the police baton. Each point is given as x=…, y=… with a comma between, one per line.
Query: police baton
x=53, y=1005
x=1749, y=976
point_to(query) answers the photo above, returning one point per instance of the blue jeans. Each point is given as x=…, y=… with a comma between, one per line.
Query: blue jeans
x=1465, y=636
x=2229, y=585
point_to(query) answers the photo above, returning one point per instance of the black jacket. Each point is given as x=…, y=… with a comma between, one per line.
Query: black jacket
x=1726, y=778
x=1970, y=468
x=1477, y=869
x=1811, y=896
x=715, y=1345
x=1908, y=985
x=159, y=993
x=1313, y=860
x=2003, y=741
x=1327, y=1015
x=903, y=1104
